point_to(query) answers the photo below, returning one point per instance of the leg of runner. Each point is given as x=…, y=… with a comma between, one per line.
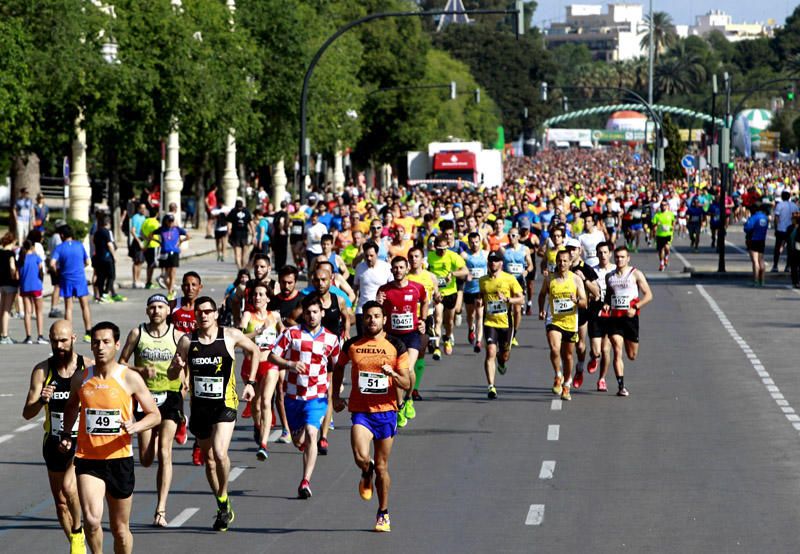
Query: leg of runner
x=360, y=441
x=567, y=352
x=489, y=364
x=478, y=328
x=166, y=434
x=285, y=437
x=583, y=335
x=92, y=491
x=266, y=391
x=554, y=342
x=65, y=494
x=405, y=400
x=383, y=482
x=119, y=517
x=448, y=326
x=471, y=324
x=438, y=316
x=419, y=368
x=605, y=363
x=322, y=447
x=617, y=344
x=147, y=446
x=310, y=434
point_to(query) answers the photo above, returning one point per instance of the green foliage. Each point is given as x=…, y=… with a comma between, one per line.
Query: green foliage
x=674, y=150
x=664, y=34
x=15, y=77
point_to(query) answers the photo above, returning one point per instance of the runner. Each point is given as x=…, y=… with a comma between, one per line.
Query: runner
x=598, y=331
x=103, y=395
x=309, y=352
x=498, y=291
x=380, y=367
x=592, y=289
x=418, y=274
x=447, y=266
x=478, y=265
x=627, y=292
x=403, y=301
x=371, y=274
x=243, y=294
x=590, y=238
x=566, y=294
x=663, y=223
x=206, y=357
x=49, y=389
x=553, y=245
x=694, y=216
x=531, y=241
x=152, y=346
x=262, y=326
x=518, y=262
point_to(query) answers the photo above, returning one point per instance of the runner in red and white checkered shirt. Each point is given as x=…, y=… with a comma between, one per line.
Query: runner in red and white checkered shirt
x=309, y=353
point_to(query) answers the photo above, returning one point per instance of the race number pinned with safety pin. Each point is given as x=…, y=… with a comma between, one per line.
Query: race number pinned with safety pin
x=103, y=422
x=370, y=382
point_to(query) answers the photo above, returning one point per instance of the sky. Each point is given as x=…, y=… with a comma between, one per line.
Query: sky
x=682, y=11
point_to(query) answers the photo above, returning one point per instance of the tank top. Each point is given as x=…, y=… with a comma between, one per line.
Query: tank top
x=211, y=378
x=105, y=406
x=266, y=338
x=54, y=410
x=514, y=260
x=332, y=316
x=563, y=310
x=624, y=292
x=6, y=276
x=478, y=266
x=183, y=318
x=157, y=352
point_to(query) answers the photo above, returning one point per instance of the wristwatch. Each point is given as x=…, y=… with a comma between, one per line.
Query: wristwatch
x=251, y=383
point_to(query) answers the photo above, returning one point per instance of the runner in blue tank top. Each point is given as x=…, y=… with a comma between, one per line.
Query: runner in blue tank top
x=477, y=265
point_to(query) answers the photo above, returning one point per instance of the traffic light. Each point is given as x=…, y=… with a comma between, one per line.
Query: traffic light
x=790, y=93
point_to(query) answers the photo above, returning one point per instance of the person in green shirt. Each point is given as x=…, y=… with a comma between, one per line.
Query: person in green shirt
x=663, y=222
x=446, y=265
x=150, y=245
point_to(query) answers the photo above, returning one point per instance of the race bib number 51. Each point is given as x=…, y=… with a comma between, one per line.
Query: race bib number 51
x=103, y=422
x=373, y=383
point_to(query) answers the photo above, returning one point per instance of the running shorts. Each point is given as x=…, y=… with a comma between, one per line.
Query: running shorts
x=171, y=406
x=203, y=419
x=73, y=288
x=411, y=340
x=628, y=327
x=449, y=301
x=497, y=335
x=566, y=336
x=382, y=425
x=662, y=242
x=470, y=297
x=116, y=473
x=598, y=327
x=54, y=459
x=300, y=413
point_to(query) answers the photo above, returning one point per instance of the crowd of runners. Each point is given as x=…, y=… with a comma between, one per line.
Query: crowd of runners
x=395, y=280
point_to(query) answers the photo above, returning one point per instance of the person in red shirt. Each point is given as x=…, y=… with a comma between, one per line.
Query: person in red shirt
x=403, y=300
x=379, y=368
x=211, y=204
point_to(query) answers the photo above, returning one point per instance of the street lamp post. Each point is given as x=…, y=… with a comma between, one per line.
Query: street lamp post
x=725, y=173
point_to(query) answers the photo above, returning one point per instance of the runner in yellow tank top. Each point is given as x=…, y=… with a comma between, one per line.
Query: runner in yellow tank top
x=103, y=394
x=566, y=294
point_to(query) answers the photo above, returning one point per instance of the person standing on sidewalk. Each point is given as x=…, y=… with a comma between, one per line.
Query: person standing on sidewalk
x=794, y=249
x=136, y=244
x=240, y=226
x=22, y=212
x=31, y=271
x=105, y=263
x=70, y=260
x=784, y=210
x=8, y=284
x=211, y=205
x=755, y=232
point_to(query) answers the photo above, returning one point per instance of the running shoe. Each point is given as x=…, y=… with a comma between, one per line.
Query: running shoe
x=322, y=446
x=161, y=282
x=448, y=348
x=557, y=385
x=54, y=313
x=623, y=392
x=181, y=436
x=514, y=341
x=28, y=340
x=437, y=354
x=149, y=286
x=415, y=395
x=225, y=517
x=365, y=483
x=285, y=437
x=382, y=523
x=592, y=366
x=458, y=320
x=471, y=336
x=87, y=338
x=491, y=393
x=197, y=455
x=501, y=367
x=262, y=454
x=402, y=420
x=477, y=348
x=171, y=295
x=119, y=298
x=529, y=310
x=601, y=385
x=565, y=395
x=77, y=543
x=42, y=340
x=661, y=266
x=304, y=490
x=578, y=381
x=408, y=409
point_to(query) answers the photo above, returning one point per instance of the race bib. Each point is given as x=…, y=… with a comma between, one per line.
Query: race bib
x=563, y=305
x=159, y=397
x=373, y=383
x=477, y=272
x=610, y=222
x=516, y=269
x=620, y=302
x=403, y=321
x=551, y=267
x=103, y=422
x=442, y=282
x=163, y=256
x=209, y=388
x=664, y=228
x=57, y=424
x=266, y=339
x=636, y=214
x=494, y=307
x=297, y=228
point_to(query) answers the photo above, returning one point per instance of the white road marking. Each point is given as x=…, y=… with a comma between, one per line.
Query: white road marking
x=552, y=432
x=737, y=248
x=682, y=259
x=235, y=473
x=182, y=517
x=548, y=468
x=535, y=514
x=766, y=380
x=4, y=438
x=6, y=394
x=26, y=427
x=274, y=435
x=555, y=404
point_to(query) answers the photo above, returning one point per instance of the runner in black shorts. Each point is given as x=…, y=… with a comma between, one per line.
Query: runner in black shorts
x=592, y=288
x=49, y=389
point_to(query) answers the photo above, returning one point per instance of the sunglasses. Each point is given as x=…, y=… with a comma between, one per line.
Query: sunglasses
x=205, y=312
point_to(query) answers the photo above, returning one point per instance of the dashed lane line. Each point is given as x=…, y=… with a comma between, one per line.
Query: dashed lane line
x=4, y=438
x=548, y=469
x=759, y=368
x=555, y=404
x=26, y=427
x=535, y=515
x=236, y=473
x=553, y=432
x=183, y=517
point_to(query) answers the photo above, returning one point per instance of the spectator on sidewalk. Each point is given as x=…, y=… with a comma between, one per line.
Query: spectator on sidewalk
x=31, y=272
x=23, y=213
x=794, y=249
x=220, y=218
x=755, y=232
x=136, y=244
x=70, y=260
x=784, y=210
x=40, y=213
x=150, y=243
x=240, y=225
x=105, y=262
x=8, y=283
x=52, y=244
x=211, y=205
x=280, y=224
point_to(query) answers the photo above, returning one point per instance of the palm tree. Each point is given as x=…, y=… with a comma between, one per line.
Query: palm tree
x=672, y=77
x=664, y=34
x=792, y=64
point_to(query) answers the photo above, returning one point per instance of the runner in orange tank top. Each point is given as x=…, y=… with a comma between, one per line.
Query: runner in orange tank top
x=103, y=394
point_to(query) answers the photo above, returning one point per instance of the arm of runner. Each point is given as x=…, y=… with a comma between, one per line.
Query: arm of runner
x=276, y=355
x=152, y=415
x=581, y=299
x=543, y=295
x=127, y=352
x=591, y=287
x=251, y=350
x=517, y=295
x=38, y=394
x=342, y=283
x=71, y=411
x=399, y=372
x=347, y=318
x=178, y=364
x=339, y=403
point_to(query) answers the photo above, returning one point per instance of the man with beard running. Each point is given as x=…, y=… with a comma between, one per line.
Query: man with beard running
x=49, y=389
x=597, y=329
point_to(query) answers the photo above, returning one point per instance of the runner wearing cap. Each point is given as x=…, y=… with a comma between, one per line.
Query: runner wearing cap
x=589, y=277
x=153, y=344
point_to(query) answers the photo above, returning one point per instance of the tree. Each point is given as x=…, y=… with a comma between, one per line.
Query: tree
x=15, y=83
x=674, y=151
x=664, y=34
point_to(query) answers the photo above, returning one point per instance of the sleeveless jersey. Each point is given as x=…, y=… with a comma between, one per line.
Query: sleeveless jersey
x=402, y=306
x=478, y=266
x=514, y=260
x=266, y=338
x=563, y=310
x=105, y=406
x=157, y=352
x=601, y=282
x=427, y=280
x=211, y=378
x=332, y=316
x=550, y=255
x=54, y=410
x=624, y=292
x=373, y=391
x=182, y=317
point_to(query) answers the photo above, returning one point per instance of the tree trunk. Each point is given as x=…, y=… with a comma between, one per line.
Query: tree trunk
x=26, y=175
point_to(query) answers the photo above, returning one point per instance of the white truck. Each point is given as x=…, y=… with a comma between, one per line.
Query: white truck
x=452, y=163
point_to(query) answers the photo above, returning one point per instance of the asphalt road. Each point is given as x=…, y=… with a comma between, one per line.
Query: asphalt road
x=702, y=457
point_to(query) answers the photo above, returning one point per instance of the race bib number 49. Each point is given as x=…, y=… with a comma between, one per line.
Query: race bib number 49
x=103, y=422
x=373, y=383
x=208, y=387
